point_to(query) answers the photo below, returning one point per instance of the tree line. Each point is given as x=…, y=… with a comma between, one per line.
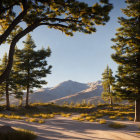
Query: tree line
x=29, y=67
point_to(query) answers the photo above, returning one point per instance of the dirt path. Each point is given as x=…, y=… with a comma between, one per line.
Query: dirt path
x=61, y=128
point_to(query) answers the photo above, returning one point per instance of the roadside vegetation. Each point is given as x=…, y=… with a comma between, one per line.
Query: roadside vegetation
x=18, y=134
x=40, y=112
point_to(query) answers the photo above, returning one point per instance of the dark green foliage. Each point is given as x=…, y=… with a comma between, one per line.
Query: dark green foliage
x=75, y=15
x=32, y=66
x=117, y=125
x=7, y=87
x=18, y=135
x=107, y=83
x=127, y=54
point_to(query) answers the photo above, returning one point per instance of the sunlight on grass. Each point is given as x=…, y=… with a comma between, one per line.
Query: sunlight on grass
x=35, y=120
x=45, y=116
x=113, y=117
x=130, y=118
x=102, y=121
x=65, y=115
x=11, y=117
x=41, y=121
x=138, y=133
x=78, y=118
x=31, y=120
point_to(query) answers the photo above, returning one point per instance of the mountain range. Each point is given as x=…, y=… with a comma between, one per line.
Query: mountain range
x=69, y=91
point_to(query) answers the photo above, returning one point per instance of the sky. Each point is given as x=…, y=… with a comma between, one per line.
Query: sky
x=80, y=58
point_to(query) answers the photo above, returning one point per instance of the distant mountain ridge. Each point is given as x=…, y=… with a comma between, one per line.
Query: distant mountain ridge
x=69, y=91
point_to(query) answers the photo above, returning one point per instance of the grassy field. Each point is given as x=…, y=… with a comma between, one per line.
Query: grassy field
x=40, y=112
x=103, y=114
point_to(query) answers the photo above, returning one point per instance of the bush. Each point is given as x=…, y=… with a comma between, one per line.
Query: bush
x=20, y=134
x=130, y=118
x=102, y=121
x=65, y=115
x=113, y=117
x=117, y=125
x=41, y=121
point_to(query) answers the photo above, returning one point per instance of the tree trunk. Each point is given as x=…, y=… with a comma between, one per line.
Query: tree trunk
x=7, y=97
x=137, y=110
x=27, y=97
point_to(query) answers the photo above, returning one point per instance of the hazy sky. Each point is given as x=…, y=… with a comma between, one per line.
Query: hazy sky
x=82, y=57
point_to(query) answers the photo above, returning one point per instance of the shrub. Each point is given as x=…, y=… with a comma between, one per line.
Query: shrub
x=91, y=120
x=78, y=118
x=20, y=134
x=84, y=115
x=41, y=121
x=13, y=117
x=65, y=115
x=31, y=120
x=1, y=115
x=130, y=118
x=117, y=125
x=102, y=121
x=88, y=118
x=113, y=117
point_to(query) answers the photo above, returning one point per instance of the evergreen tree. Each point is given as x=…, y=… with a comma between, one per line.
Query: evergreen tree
x=18, y=88
x=127, y=55
x=33, y=66
x=107, y=83
x=7, y=85
x=67, y=16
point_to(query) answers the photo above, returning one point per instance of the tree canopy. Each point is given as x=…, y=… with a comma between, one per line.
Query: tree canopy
x=127, y=52
x=127, y=55
x=67, y=16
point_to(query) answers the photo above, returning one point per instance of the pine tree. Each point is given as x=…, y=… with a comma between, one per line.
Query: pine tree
x=33, y=66
x=18, y=88
x=7, y=85
x=107, y=83
x=127, y=55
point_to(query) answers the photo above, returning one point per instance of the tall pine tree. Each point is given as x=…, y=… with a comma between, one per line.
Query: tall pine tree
x=107, y=83
x=33, y=66
x=6, y=88
x=127, y=55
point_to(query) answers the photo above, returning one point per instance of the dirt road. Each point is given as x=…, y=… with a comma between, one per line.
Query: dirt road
x=61, y=128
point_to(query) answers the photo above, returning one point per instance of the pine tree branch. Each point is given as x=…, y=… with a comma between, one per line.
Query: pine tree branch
x=56, y=24
x=16, y=21
x=64, y=20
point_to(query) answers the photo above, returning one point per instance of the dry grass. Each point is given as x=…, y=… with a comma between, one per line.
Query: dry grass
x=65, y=114
x=102, y=121
x=113, y=117
x=35, y=120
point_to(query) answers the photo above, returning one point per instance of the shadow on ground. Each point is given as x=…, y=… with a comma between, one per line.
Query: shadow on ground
x=64, y=128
